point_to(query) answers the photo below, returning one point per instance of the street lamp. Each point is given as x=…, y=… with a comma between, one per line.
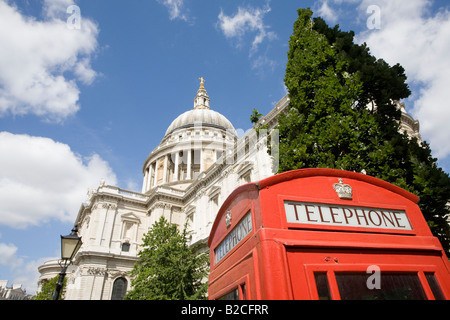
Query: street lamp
x=70, y=245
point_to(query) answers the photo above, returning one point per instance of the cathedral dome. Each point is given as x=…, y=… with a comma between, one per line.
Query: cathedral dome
x=201, y=115
x=194, y=142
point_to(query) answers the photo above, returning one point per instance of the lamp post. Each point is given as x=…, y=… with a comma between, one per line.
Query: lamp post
x=70, y=245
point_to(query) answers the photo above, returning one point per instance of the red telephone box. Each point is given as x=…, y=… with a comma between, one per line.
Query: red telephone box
x=324, y=234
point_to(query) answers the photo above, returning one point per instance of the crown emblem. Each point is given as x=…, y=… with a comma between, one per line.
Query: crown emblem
x=344, y=191
x=228, y=219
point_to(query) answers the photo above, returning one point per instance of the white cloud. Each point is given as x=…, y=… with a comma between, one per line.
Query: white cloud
x=328, y=10
x=262, y=64
x=419, y=41
x=41, y=179
x=56, y=8
x=8, y=255
x=175, y=8
x=245, y=21
x=42, y=61
x=24, y=273
x=327, y=13
x=27, y=275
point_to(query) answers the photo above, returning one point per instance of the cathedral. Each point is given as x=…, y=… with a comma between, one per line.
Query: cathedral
x=186, y=178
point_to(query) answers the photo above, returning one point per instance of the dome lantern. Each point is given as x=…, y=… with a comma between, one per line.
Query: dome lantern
x=201, y=100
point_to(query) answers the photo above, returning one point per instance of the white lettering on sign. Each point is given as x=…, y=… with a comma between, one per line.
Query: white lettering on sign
x=346, y=216
x=242, y=229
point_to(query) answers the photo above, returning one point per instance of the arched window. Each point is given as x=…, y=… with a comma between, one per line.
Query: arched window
x=119, y=289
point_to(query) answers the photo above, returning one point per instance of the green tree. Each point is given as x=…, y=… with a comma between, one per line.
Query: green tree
x=48, y=290
x=168, y=268
x=320, y=128
x=342, y=116
x=254, y=118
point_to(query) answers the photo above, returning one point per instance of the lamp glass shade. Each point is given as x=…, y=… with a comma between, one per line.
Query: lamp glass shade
x=70, y=245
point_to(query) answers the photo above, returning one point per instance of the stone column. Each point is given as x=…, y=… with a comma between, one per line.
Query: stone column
x=177, y=164
x=149, y=181
x=166, y=163
x=189, y=164
x=202, y=165
x=154, y=174
x=145, y=182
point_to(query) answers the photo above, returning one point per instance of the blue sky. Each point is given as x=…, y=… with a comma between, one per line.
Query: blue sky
x=78, y=105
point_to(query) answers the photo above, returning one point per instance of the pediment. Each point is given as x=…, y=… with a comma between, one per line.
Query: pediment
x=130, y=217
x=244, y=167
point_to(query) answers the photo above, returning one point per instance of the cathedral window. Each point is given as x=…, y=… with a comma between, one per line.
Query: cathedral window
x=195, y=166
x=126, y=247
x=190, y=217
x=170, y=169
x=213, y=195
x=190, y=220
x=214, y=206
x=244, y=172
x=246, y=178
x=119, y=289
x=129, y=231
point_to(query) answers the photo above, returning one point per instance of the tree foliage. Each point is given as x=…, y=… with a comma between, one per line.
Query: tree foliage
x=168, y=268
x=254, y=118
x=342, y=116
x=48, y=290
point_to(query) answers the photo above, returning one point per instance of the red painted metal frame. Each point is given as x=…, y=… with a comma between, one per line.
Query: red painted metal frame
x=276, y=260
